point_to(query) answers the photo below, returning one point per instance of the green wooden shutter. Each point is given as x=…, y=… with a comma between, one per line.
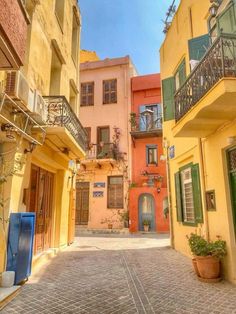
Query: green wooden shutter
x=178, y=197
x=182, y=72
x=197, y=198
x=198, y=47
x=168, y=91
x=226, y=21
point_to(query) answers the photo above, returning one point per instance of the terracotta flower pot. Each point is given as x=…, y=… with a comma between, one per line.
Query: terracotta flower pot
x=208, y=267
x=146, y=228
x=194, y=261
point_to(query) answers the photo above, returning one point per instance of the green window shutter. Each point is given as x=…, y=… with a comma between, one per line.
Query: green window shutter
x=182, y=72
x=197, y=193
x=198, y=47
x=178, y=197
x=168, y=91
x=226, y=21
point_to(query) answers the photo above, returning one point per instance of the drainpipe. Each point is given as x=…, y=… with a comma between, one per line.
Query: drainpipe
x=203, y=175
x=172, y=242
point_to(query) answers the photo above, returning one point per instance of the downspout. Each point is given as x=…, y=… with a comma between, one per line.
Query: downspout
x=203, y=175
x=172, y=240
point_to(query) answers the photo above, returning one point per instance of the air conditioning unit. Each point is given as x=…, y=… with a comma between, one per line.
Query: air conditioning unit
x=39, y=112
x=17, y=87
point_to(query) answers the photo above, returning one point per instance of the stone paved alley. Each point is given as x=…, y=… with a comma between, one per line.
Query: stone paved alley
x=121, y=274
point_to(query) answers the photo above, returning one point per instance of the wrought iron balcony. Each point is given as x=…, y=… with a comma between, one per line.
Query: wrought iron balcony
x=219, y=62
x=145, y=125
x=103, y=151
x=60, y=114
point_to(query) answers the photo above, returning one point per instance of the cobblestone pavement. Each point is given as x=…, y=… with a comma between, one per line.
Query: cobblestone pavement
x=121, y=275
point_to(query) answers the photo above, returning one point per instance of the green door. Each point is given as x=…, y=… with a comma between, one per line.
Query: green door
x=232, y=177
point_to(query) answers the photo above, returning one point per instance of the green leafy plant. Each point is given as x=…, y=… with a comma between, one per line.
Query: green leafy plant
x=133, y=185
x=133, y=120
x=201, y=247
x=146, y=222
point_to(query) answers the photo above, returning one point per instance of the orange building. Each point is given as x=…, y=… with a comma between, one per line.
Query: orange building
x=148, y=203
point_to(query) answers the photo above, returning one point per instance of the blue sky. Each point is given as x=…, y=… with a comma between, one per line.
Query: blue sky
x=115, y=28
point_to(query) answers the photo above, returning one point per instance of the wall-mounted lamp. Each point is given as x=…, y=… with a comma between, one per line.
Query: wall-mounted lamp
x=214, y=8
x=158, y=190
x=32, y=146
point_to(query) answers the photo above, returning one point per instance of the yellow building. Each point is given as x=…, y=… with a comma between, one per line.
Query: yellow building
x=199, y=85
x=88, y=56
x=41, y=135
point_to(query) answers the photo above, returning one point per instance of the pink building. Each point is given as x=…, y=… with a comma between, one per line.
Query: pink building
x=104, y=176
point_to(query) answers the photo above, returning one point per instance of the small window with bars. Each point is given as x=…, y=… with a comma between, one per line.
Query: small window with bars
x=110, y=91
x=187, y=195
x=115, y=192
x=87, y=94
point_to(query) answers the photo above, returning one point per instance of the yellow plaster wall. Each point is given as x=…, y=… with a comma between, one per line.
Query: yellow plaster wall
x=43, y=29
x=210, y=152
x=88, y=56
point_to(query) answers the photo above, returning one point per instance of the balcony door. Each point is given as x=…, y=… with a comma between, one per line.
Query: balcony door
x=103, y=139
x=150, y=117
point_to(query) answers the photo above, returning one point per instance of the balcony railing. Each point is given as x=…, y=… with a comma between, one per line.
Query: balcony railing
x=103, y=151
x=61, y=114
x=218, y=62
x=145, y=123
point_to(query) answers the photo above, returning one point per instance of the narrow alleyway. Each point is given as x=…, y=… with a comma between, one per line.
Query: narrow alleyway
x=121, y=274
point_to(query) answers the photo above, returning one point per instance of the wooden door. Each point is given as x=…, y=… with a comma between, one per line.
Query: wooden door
x=47, y=204
x=103, y=139
x=82, y=203
x=40, y=202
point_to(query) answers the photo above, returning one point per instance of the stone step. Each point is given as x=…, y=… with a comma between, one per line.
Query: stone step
x=79, y=230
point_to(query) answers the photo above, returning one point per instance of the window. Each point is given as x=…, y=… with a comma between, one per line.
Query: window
x=115, y=192
x=59, y=12
x=73, y=97
x=151, y=154
x=188, y=195
x=55, y=78
x=75, y=40
x=150, y=117
x=87, y=94
x=110, y=91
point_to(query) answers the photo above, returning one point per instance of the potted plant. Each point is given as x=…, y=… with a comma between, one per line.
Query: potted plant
x=146, y=224
x=207, y=255
x=133, y=121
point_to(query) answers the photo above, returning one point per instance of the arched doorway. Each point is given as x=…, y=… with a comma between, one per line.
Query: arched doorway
x=146, y=207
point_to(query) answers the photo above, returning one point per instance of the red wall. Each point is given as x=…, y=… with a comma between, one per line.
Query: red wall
x=162, y=223
x=13, y=25
x=146, y=90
